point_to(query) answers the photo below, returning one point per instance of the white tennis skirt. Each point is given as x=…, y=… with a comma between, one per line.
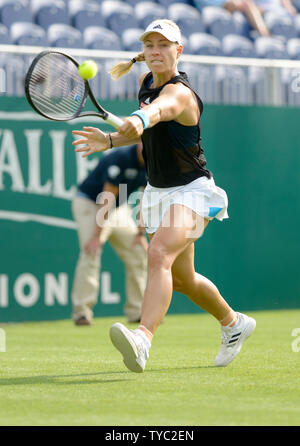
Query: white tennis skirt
x=201, y=195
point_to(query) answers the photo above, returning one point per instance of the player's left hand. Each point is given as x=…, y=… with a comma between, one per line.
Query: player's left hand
x=94, y=140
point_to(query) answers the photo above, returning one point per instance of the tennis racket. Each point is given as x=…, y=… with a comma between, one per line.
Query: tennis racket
x=55, y=89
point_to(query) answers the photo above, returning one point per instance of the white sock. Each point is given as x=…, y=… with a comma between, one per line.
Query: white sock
x=142, y=334
x=235, y=325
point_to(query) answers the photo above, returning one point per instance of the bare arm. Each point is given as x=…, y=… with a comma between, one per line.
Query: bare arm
x=175, y=102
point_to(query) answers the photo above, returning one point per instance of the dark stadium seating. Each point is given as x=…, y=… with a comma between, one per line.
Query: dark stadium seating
x=238, y=46
x=88, y=15
x=167, y=3
x=297, y=24
x=47, y=15
x=15, y=11
x=133, y=2
x=119, y=16
x=218, y=22
x=24, y=33
x=186, y=45
x=114, y=25
x=270, y=48
x=204, y=79
x=5, y=38
x=117, y=23
x=98, y=38
x=64, y=36
x=280, y=25
x=242, y=25
x=187, y=18
x=130, y=39
x=205, y=44
x=234, y=84
x=147, y=11
x=293, y=49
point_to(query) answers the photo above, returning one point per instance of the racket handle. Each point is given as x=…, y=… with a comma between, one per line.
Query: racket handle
x=114, y=121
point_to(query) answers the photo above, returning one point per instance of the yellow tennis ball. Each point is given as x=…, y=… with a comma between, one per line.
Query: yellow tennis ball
x=88, y=69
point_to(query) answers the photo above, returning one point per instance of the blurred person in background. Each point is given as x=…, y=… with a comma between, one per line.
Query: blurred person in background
x=116, y=176
x=252, y=9
x=278, y=6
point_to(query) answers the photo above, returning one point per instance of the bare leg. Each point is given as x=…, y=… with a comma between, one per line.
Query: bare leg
x=171, y=249
x=197, y=287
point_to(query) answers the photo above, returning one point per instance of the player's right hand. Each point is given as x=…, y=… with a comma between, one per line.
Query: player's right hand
x=132, y=127
x=94, y=140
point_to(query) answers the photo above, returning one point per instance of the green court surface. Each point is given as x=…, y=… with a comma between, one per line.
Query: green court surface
x=54, y=374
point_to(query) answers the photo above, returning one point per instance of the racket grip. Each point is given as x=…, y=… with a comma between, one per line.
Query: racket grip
x=114, y=121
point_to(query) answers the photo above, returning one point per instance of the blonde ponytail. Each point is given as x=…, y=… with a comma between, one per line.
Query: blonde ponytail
x=124, y=67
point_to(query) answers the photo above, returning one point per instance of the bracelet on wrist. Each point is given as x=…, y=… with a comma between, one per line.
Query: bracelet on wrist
x=110, y=141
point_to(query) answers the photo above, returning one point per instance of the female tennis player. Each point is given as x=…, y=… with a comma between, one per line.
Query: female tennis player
x=179, y=201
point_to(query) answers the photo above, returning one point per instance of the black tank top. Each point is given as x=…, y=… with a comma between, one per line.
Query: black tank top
x=172, y=152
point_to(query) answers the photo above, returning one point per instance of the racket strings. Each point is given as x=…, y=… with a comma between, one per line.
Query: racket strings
x=56, y=88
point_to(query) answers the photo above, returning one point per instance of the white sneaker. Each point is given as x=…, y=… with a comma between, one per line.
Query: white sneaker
x=132, y=344
x=233, y=339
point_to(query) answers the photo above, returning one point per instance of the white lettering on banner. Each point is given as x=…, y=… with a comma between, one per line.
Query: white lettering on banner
x=26, y=290
x=34, y=164
x=31, y=282
x=3, y=291
x=10, y=164
x=59, y=191
x=56, y=289
x=12, y=167
x=107, y=297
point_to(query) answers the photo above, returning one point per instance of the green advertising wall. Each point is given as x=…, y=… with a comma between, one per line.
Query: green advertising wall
x=253, y=257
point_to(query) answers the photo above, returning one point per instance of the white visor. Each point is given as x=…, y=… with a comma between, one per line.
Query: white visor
x=166, y=30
